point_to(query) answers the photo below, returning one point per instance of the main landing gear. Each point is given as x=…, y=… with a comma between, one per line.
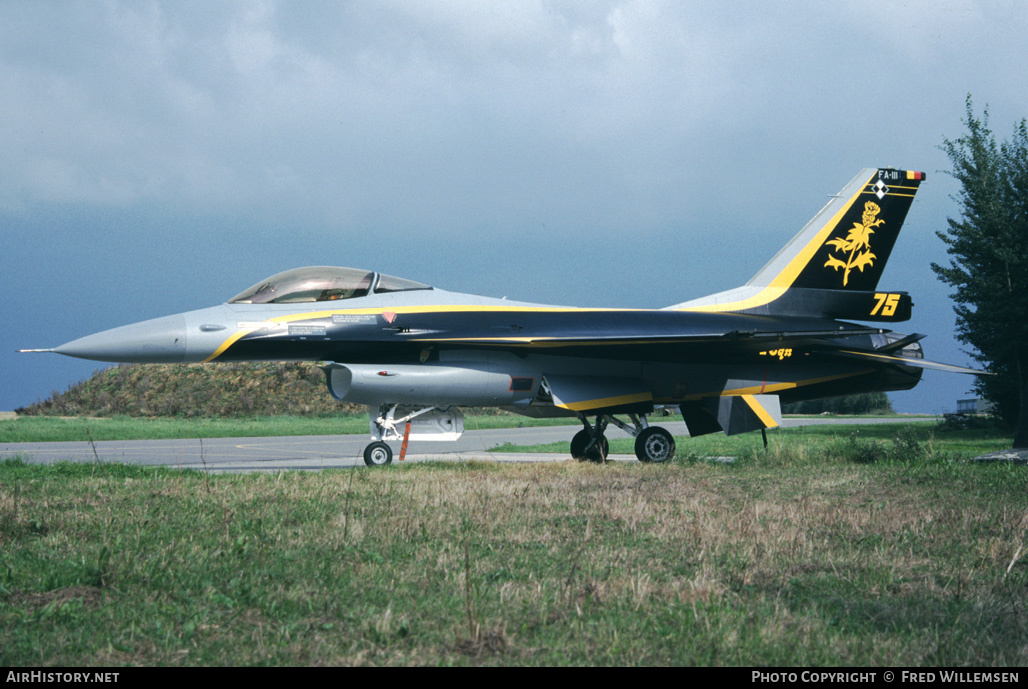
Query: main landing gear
x=652, y=443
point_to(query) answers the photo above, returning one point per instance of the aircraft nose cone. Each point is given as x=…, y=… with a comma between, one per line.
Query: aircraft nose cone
x=160, y=341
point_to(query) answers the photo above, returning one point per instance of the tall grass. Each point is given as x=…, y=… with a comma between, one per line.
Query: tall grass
x=841, y=550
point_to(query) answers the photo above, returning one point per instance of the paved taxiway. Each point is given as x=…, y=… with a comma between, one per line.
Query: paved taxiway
x=327, y=451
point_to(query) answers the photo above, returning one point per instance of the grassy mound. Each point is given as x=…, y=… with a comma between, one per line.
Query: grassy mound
x=196, y=390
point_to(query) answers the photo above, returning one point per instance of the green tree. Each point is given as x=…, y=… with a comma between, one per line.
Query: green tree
x=988, y=246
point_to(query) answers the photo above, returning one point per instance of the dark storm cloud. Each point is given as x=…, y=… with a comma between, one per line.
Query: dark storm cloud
x=615, y=153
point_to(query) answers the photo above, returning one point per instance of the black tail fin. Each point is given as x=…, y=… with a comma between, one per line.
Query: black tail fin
x=832, y=267
x=852, y=248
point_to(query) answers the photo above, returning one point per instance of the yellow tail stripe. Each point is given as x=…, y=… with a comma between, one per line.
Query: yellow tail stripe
x=783, y=281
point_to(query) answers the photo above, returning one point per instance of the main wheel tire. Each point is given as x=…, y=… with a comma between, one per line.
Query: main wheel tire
x=654, y=444
x=377, y=454
x=597, y=453
x=578, y=444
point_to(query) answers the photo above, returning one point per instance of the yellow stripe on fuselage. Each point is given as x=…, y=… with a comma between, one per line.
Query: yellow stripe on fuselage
x=428, y=308
x=443, y=308
x=228, y=343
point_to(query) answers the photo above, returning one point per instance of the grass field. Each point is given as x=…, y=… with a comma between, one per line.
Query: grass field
x=846, y=548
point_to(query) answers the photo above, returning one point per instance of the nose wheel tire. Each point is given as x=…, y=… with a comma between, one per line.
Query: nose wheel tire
x=654, y=444
x=377, y=454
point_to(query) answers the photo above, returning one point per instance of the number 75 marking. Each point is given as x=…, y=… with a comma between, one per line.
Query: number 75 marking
x=886, y=303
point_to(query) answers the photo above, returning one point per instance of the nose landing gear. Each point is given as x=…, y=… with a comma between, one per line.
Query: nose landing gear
x=407, y=422
x=377, y=454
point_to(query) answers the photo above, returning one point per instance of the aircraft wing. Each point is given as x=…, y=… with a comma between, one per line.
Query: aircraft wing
x=821, y=342
x=786, y=338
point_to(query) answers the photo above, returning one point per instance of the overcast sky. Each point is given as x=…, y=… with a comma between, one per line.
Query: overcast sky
x=157, y=157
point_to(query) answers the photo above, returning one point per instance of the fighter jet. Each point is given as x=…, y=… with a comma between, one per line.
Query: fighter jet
x=416, y=354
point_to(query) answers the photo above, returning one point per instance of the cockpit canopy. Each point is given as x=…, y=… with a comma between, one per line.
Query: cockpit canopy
x=322, y=283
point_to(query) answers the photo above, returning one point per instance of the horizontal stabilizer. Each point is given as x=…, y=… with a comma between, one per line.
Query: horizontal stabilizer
x=906, y=361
